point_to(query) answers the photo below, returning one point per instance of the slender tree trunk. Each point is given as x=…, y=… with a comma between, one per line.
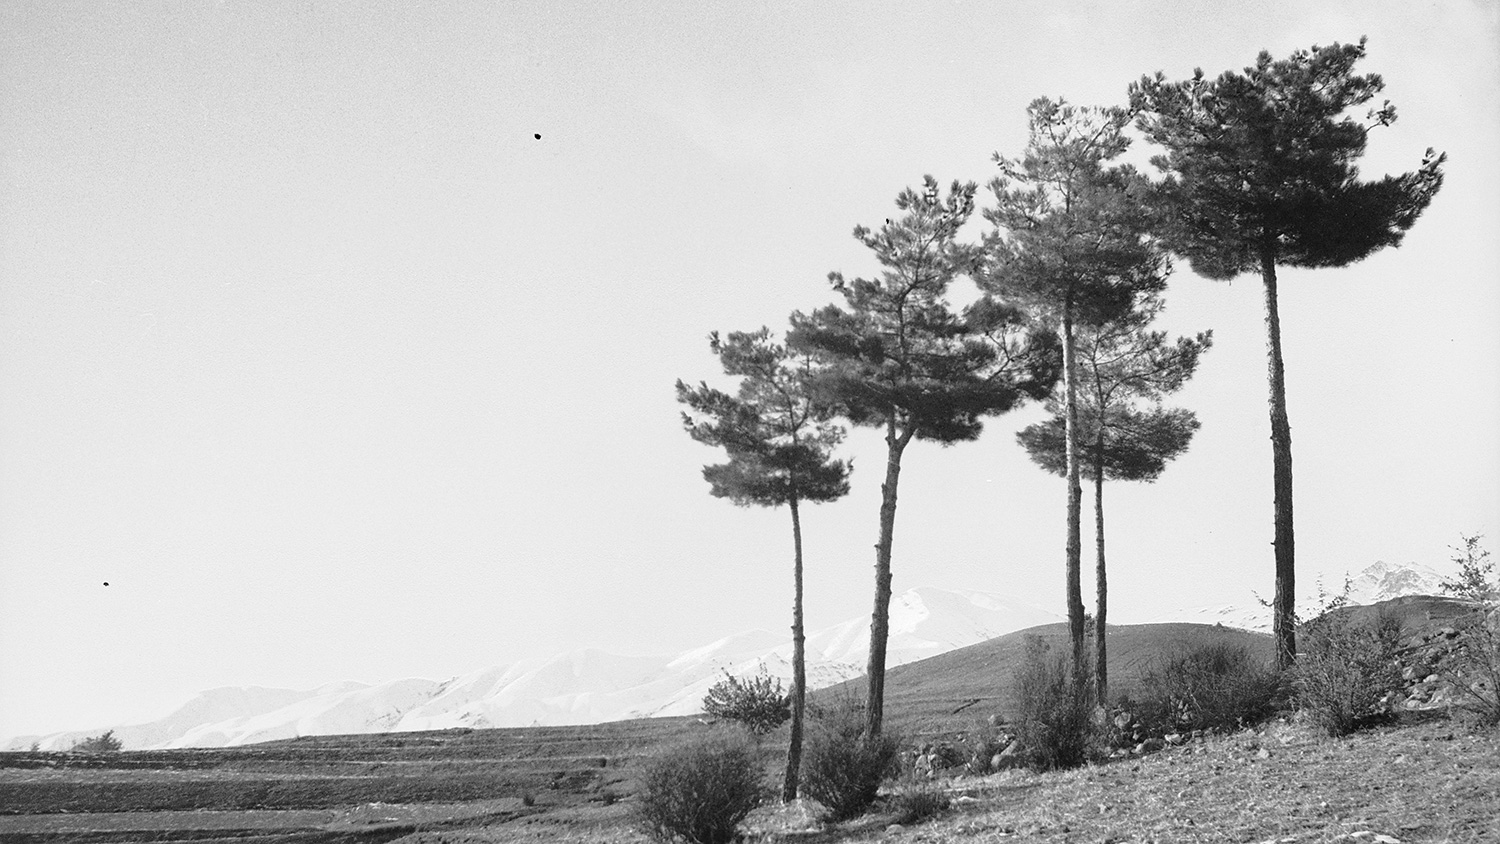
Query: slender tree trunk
x=1283, y=610
x=1101, y=665
x=1075, y=493
x=880, y=619
x=799, y=663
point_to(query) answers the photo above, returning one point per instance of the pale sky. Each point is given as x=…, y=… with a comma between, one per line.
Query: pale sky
x=332, y=369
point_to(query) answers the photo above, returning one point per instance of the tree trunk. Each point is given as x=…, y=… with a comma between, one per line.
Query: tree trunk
x=799, y=664
x=1283, y=610
x=1075, y=493
x=880, y=618
x=1101, y=666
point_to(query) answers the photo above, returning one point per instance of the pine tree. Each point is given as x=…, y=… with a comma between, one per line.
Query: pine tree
x=1261, y=174
x=897, y=357
x=1122, y=365
x=779, y=438
x=1073, y=244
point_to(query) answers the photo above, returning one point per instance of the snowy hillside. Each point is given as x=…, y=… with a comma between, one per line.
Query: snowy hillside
x=580, y=687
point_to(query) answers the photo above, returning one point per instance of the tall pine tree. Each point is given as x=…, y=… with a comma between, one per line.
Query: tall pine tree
x=1073, y=244
x=779, y=439
x=1261, y=174
x=1124, y=371
x=897, y=357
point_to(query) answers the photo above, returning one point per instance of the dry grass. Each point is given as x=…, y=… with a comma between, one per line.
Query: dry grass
x=1436, y=781
x=1424, y=783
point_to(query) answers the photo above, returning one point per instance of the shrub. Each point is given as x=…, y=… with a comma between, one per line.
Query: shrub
x=1216, y=686
x=843, y=766
x=102, y=743
x=917, y=803
x=701, y=790
x=1347, y=670
x=759, y=704
x=1474, y=572
x=1055, y=726
x=1475, y=665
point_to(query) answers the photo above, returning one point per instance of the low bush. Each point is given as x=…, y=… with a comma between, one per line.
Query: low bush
x=700, y=791
x=1473, y=666
x=1475, y=651
x=842, y=765
x=1216, y=686
x=1347, y=671
x=759, y=704
x=1055, y=725
x=917, y=802
x=102, y=743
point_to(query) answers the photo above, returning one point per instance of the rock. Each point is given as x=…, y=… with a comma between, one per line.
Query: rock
x=1150, y=745
x=1263, y=754
x=1174, y=738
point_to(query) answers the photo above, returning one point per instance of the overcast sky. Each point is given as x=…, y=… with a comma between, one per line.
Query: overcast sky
x=338, y=338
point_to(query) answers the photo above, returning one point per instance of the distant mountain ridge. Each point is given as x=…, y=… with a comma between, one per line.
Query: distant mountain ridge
x=578, y=687
x=591, y=686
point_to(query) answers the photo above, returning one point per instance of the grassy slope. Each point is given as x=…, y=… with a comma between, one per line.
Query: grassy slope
x=952, y=690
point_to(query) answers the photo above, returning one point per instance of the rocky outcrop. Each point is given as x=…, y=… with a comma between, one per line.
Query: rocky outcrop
x=1456, y=664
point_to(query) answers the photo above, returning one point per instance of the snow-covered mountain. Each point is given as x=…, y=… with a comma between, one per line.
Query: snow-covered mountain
x=579, y=687
x=1379, y=582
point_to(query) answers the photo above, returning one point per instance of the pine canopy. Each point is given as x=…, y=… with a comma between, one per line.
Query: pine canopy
x=1262, y=166
x=777, y=436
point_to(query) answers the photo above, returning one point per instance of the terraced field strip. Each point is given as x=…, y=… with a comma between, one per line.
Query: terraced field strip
x=365, y=822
